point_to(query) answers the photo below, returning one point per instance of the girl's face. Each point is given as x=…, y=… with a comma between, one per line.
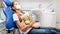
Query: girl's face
x=16, y=5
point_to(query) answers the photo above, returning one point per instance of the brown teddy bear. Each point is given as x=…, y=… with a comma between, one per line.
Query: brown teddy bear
x=27, y=21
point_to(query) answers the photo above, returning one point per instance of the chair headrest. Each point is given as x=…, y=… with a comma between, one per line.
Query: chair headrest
x=7, y=2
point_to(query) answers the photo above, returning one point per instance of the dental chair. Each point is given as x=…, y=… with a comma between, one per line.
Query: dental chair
x=10, y=24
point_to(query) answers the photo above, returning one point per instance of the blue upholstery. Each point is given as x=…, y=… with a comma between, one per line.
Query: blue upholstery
x=7, y=2
x=9, y=20
x=8, y=13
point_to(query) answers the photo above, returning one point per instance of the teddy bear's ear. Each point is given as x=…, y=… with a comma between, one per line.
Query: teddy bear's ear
x=36, y=25
x=27, y=22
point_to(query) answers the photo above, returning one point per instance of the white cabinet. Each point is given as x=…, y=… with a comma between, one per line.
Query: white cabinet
x=48, y=18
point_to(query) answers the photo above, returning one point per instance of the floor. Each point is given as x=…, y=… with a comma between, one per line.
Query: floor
x=3, y=30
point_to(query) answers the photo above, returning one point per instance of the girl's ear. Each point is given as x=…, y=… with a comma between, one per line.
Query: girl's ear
x=12, y=7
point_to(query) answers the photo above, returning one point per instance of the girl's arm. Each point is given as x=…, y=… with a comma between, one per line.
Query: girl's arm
x=21, y=26
x=31, y=21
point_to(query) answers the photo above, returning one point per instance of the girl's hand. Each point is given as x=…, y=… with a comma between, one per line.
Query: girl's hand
x=25, y=28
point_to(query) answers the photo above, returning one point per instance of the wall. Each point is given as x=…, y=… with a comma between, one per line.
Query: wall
x=57, y=9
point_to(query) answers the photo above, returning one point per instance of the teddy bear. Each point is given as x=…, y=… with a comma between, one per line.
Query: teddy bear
x=25, y=17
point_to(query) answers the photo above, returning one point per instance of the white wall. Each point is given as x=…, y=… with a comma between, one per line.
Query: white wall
x=2, y=16
x=57, y=9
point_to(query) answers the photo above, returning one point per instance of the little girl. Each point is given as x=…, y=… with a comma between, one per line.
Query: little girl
x=17, y=17
x=22, y=19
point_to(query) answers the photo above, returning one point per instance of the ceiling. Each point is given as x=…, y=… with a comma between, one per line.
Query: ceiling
x=33, y=0
x=1, y=3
